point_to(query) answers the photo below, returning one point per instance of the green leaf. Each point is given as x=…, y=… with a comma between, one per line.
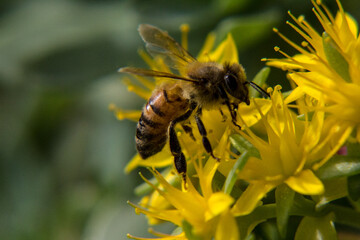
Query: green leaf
x=229, y=6
x=259, y=79
x=353, y=149
x=249, y=222
x=344, y=215
x=302, y=117
x=248, y=30
x=356, y=204
x=354, y=187
x=312, y=228
x=251, y=236
x=302, y=206
x=232, y=176
x=284, y=200
x=334, y=189
x=334, y=57
x=339, y=166
x=269, y=231
x=286, y=94
x=242, y=145
x=177, y=231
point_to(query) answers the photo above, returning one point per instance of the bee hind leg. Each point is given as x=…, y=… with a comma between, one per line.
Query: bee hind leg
x=187, y=128
x=203, y=133
x=175, y=148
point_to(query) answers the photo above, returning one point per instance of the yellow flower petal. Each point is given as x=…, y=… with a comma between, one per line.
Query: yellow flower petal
x=206, y=175
x=313, y=133
x=133, y=115
x=162, y=159
x=294, y=95
x=305, y=183
x=140, y=91
x=227, y=227
x=218, y=203
x=340, y=134
x=294, y=63
x=254, y=170
x=190, y=204
x=348, y=25
x=167, y=215
x=225, y=52
x=305, y=85
x=251, y=197
x=250, y=113
x=203, y=55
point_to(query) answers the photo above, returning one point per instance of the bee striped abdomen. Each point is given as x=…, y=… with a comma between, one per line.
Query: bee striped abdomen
x=159, y=111
x=150, y=135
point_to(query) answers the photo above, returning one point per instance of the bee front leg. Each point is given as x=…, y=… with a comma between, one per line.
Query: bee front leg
x=233, y=115
x=203, y=133
x=232, y=107
x=224, y=118
x=233, y=112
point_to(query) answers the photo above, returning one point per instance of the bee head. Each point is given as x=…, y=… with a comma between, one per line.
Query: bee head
x=235, y=82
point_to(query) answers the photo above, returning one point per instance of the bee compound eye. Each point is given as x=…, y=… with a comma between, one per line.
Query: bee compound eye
x=231, y=82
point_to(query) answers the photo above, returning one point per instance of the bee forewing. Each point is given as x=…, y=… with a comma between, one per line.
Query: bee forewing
x=159, y=43
x=152, y=73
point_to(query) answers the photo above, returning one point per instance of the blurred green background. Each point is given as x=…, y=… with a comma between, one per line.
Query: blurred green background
x=62, y=152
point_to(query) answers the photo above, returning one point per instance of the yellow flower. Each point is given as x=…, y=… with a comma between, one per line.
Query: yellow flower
x=203, y=213
x=328, y=66
x=292, y=151
x=200, y=210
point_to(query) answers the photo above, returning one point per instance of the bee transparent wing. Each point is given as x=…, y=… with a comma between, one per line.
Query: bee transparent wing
x=152, y=73
x=158, y=42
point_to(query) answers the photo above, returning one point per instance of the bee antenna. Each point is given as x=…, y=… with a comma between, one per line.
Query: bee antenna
x=259, y=89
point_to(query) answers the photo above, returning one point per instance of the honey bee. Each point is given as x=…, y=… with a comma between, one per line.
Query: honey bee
x=204, y=85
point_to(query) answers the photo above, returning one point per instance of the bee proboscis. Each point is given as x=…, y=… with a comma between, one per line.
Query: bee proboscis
x=204, y=85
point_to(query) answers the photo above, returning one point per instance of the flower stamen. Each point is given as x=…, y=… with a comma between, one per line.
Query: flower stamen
x=291, y=43
x=184, y=28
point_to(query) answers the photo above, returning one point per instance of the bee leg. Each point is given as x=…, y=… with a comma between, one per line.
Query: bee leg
x=235, y=124
x=224, y=118
x=203, y=133
x=232, y=108
x=187, y=128
x=175, y=148
x=233, y=114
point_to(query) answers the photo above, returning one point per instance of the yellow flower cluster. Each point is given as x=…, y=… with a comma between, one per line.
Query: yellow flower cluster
x=281, y=145
x=327, y=67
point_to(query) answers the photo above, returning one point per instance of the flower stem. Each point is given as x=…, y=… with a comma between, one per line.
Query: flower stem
x=344, y=215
